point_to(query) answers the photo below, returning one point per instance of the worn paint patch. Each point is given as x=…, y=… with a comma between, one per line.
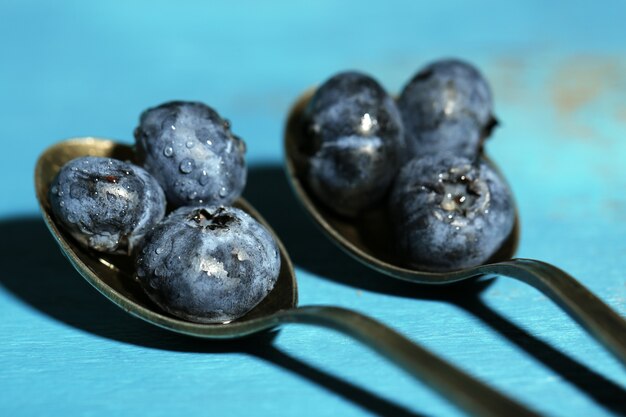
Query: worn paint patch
x=581, y=80
x=578, y=88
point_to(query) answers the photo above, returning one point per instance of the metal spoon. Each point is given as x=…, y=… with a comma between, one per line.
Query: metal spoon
x=113, y=277
x=368, y=239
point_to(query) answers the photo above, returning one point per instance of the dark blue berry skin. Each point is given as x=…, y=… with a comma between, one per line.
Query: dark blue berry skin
x=446, y=108
x=450, y=213
x=106, y=204
x=353, y=140
x=208, y=264
x=191, y=151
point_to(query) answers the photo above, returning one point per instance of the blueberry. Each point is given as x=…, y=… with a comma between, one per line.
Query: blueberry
x=191, y=151
x=353, y=142
x=208, y=264
x=106, y=204
x=449, y=212
x=446, y=107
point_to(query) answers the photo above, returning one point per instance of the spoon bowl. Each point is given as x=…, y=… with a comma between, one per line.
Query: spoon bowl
x=368, y=238
x=112, y=275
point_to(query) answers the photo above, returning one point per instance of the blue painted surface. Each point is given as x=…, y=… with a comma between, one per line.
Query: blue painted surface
x=558, y=70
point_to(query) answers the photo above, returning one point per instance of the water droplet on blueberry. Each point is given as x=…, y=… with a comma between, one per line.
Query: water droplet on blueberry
x=168, y=151
x=204, y=178
x=186, y=166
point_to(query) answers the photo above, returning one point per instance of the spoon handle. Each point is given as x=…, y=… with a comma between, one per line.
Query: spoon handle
x=464, y=391
x=589, y=311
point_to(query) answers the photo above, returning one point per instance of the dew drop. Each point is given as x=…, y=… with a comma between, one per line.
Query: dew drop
x=55, y=189
x=193, y=195
x=186, y=166
x=208, y=142
x=168, y=151
x=189, y=144
x=62, y=203
x=72, y=218
x=159, y=250
x=204, y=178
x=223, y=192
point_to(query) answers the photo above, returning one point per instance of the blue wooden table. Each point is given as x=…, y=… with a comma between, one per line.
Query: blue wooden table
x=558, y=71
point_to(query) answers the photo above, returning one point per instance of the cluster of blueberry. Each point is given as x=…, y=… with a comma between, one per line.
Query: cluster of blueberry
x=421, y=155
x=205, y=261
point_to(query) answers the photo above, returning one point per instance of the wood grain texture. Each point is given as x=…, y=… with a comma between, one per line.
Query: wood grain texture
x=73, y=69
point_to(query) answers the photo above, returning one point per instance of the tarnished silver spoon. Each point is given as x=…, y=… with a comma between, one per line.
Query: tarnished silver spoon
x=113, y=277
x=368, y=239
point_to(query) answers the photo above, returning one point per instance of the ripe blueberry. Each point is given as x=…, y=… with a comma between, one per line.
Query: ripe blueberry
x=450, y=213
x=106, y=204
x=191, y=151
x=446, y=107
x=353, y=142
x=208, y=264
